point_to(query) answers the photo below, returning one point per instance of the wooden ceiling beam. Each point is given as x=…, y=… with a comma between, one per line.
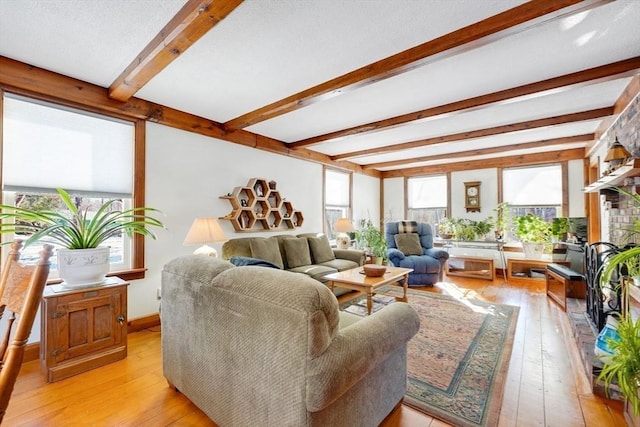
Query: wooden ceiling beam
x=484, y=151
x=500, y=162
x=598, y=113
x=193, y=21
x=494, y=28
x=604, y=73
x=23, y=79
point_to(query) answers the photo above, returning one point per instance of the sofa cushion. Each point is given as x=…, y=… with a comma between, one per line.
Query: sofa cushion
x=268, y=250
x=340, y=264
x=408, y=243
x=297, y=252
x=320, y=249
x=314, y=271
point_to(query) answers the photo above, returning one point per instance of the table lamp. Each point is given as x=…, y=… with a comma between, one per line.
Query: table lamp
x=343, y=226
x=202, y=232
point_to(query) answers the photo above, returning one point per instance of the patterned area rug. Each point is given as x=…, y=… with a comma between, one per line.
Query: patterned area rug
x=458, y=361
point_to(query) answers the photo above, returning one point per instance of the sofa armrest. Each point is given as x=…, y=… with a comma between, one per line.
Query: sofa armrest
x=437, y=253
x=350, y=254
x=356, y=350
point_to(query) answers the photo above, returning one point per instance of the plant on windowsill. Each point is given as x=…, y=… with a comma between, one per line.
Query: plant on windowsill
x=503, y=216
x=447, y=228
x=622, y=365
x=79, y=234
x=534, y=233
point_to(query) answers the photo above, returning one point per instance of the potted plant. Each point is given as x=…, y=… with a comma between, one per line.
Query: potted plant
x=622, y=366
x=483, y=227
x=534, y=233
x=447, y=228
x=503, y=216
x=79, y=234
x=372, y=240
x=559, y=228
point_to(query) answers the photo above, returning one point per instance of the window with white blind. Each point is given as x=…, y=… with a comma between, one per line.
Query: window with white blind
x=427, y=199
x=46, y=146
x=337, y=198
x=533, y=189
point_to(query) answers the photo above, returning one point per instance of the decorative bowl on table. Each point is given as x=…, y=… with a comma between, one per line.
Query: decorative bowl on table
x=374, y=270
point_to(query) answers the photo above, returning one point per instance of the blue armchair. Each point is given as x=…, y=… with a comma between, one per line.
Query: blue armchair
x=427, y=262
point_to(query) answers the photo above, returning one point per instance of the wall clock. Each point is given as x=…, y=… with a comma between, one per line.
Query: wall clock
x=472, y=196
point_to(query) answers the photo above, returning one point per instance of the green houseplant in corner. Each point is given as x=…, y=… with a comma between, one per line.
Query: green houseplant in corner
x=78, y=233
x=371, y=239
x=623, y=365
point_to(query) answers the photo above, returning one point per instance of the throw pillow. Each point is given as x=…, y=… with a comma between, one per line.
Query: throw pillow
x=268, y=250
x=408, y=243
x=321, y=249
x=408, y=227
x=297, y=252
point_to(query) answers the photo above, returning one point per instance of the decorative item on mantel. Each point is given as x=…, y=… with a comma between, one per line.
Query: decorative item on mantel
x=616, y=156
x=202, y=232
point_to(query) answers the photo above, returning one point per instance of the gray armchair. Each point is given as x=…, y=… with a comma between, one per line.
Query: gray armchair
x=261, y=346
x=410, y=245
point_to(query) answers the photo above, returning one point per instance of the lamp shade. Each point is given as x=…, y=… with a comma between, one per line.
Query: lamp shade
x=203, y=231
x=344, y=225
x=617, y=152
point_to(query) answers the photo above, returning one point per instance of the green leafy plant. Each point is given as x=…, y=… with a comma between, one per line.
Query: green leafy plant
x=503, y=217
x=623, y=367
x=532, y=229
x=560, y=227
x=447, y=227
x=369, y=236
x=75, y=229
x=483, y=227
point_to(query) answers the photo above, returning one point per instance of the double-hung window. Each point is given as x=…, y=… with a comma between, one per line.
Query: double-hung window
x=337, y=198
x=533, y=189
x=46, y=146
x=427, y=199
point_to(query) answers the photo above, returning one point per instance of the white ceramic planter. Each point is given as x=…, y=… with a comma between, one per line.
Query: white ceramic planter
x=82, y=267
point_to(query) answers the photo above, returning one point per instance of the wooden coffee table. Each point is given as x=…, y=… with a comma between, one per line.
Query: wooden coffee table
x=356, y=280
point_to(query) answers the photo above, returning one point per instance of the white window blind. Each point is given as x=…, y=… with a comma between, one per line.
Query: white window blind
x=533, y=186
x=46, y=147
x=336, y=188
x=427, y=192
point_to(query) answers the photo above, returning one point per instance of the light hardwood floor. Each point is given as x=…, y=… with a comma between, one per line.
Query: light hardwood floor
x=545, y=386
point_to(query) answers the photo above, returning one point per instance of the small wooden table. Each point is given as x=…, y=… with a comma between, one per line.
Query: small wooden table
x=356, y=280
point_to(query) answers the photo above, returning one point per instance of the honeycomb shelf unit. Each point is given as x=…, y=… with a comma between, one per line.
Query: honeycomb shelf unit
x=259, y=206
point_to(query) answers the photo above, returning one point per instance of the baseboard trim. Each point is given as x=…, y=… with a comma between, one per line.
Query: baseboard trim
x=145, y=322
x=32, y=350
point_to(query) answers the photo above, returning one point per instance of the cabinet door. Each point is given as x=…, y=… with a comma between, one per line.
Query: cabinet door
x=88, y=322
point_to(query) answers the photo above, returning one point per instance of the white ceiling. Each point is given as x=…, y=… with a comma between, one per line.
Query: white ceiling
x=267, y=50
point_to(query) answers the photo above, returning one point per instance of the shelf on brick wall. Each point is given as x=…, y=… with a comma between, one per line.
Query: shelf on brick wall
x=629, y=170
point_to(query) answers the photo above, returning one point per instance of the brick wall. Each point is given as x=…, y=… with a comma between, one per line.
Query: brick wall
x=625, y=212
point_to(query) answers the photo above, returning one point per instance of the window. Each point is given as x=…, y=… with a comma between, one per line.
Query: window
x=427, y=199
x=91, y=156
x=337, y=198
x=534, y=189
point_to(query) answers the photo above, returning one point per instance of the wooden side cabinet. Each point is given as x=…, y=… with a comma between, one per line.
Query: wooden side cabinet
x=82, y=329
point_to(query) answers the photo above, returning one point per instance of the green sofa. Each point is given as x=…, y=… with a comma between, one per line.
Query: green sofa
x=307, y=253
x=265, y=347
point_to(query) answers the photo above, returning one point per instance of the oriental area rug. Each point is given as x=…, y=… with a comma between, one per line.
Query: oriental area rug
x=458, y=361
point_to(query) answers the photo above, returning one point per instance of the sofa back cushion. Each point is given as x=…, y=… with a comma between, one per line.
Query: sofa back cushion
x=267, y=249
x=320, y=249
x=296, y=252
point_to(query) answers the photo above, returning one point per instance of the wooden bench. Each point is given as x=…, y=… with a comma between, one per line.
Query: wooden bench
x=563, y=283
x=466, y=266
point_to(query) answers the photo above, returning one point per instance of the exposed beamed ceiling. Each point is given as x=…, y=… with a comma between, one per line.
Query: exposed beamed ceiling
x=393, y=87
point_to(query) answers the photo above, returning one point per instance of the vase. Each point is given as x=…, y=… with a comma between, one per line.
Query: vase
x=83, y=267
x=533, y=250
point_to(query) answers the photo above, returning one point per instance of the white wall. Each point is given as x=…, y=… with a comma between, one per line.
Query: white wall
x=488, y=193
x=394, y=199
x=576, y=185
x=366, y=198
x=185, y=174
